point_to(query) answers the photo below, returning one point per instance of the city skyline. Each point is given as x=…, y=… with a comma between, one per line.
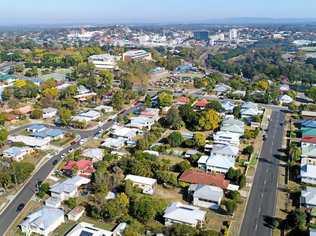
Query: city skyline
x=122, y=11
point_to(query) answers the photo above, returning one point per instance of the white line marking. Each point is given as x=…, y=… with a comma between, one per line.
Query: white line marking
x=261, y=195
x=256, y=227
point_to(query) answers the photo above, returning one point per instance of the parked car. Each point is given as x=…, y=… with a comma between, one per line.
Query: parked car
x=20, y=207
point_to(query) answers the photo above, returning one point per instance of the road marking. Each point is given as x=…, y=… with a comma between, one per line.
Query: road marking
x=265, y=181
x=256, y=227
x=259, y=210
x=261, y=195
x=267, y=170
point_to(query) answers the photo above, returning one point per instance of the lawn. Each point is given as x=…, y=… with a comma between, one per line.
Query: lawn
x=63, y=141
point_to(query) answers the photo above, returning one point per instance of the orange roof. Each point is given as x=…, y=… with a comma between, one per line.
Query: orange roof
x=201, y=103
x=183, y=100
x=23, y=110
x=199, y=177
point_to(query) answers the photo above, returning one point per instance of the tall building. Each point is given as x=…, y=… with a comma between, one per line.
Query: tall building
x=201, y=35
x=233, y=34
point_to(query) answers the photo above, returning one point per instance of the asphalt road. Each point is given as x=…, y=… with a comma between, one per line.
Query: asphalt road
x=10, y=212
x=262, y=200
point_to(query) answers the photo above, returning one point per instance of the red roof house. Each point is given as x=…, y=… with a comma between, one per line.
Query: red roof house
x=309, y=139
x=84, y=167
x=201, y=103
x=183, y=100
x=200, y=177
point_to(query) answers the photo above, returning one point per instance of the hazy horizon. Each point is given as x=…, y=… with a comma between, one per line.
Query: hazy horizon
x=16, y=12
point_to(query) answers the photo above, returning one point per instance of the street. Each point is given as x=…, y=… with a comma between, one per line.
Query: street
x=262, y=200
x=9, y=214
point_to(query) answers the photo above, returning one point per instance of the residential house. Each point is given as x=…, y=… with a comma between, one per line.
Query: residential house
x=68, y=188
x=308, y=132
x=285, y=99
x=216, y=163
x=148, y=185
x=308, y=124
x=49, y=112
x=206, y=196
x=308, y=145
x=17, y=153
x=308, y=171
x=221, y=89
x=233, y=126
x=308, y=197
x=113, y=143
x=178, y=213
x=88, y=116
x=183, y=100
x=189, y=153
x=141, y=122
x=82, y=167
x=225, y=137
x=201, y=177
x=95, y=154
x=309, y=115
x=228, y=106
x=284, y=88
x=87, y=229
x=124, y=132
x=76, y=213
x=43, y=222
x=224, y=150
x=23, y=110
x=104, y=109
x=201, y=104
x=36, y=128
x=249, y=109
x=30, y=141
x=152, y=113
x=53, y=134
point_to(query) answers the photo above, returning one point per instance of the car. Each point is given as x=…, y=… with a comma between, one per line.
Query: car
x=55, y=162
x=20, y=207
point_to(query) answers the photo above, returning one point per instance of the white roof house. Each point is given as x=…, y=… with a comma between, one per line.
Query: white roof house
x=124, y=132
x=222, y=88
x=233, y=125
x=141, y=122
x=206, y=196
x=178, y=213
x=216, y=163
x=285, y=99
x=30, y=141
x=88, y=116
x=68, y=188
x=104, y=61
x=103, y=108
x=225, y=150
x=308, y=197
x=307, y=172
x=151, y=113
x=87, y=229
x=146, y=184
x=96, y=154
x=49, y=112
x=249, y=109
x=225, y=137
x=16, y=153
x=136, y=55
x=114, y=143
x=228, y=106
x=43, y=222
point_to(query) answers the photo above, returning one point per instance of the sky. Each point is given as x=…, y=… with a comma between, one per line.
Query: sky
x=147, y=11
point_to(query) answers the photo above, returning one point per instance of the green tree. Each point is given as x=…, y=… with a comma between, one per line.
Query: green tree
x=173, y=119
x=21, y=171
x=3, y=135
x=209, y=120
x=165, y=99
x=43, y=190
x=118, y=100
x=37, y=114
x=71, y=202
x=230, y=206
x=199, y=139
x=182, y=166
x=116, y=208
x=311, y=93
x=148, y=101
x=294, y=153
x=175, y=139
x=248, y=150
x=64, y=116
x=215, y=105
